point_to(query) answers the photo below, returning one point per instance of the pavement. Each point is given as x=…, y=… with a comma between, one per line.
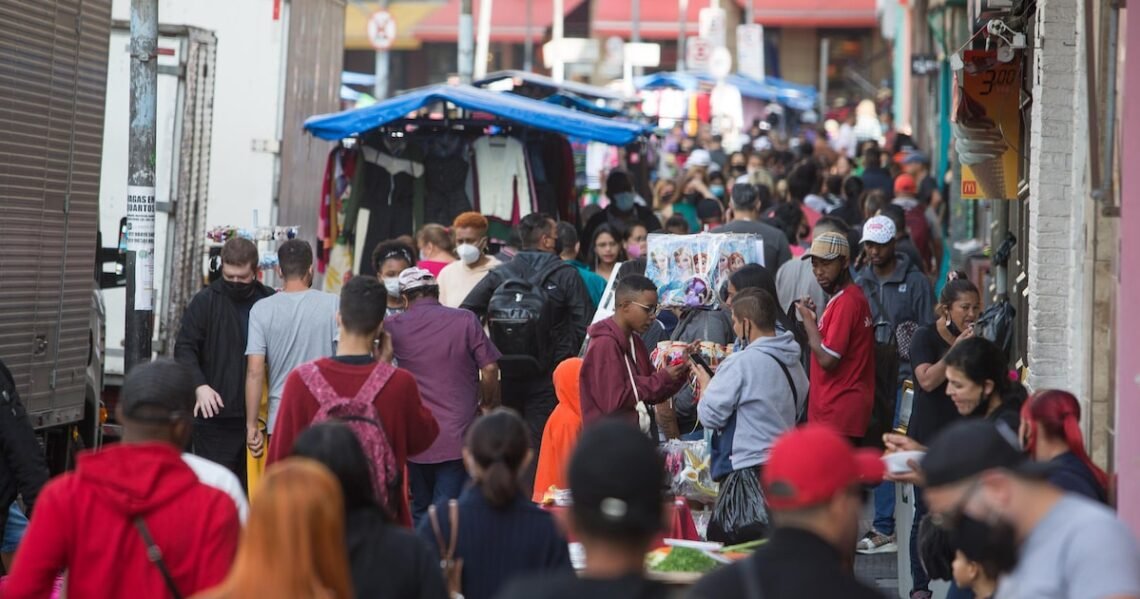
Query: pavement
x=879, y=570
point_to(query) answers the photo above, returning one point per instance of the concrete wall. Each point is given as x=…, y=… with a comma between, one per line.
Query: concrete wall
x=799, y=55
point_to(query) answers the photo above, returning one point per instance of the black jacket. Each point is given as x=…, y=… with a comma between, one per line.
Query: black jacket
x=390, y=561
x=211, y=342
x=794, y=564
x=572, y=305
x=23, y=470
x=880, y=179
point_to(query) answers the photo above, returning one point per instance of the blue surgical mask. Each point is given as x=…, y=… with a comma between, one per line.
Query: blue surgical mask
x=624, y=201
x=717, y=190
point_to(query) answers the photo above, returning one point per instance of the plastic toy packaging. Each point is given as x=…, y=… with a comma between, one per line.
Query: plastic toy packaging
x=687, y=463
x=671, y=353
x=691, y=270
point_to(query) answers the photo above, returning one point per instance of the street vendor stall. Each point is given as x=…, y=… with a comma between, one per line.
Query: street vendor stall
x=432, y=153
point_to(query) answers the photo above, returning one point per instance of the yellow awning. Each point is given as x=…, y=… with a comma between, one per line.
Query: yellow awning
x=406, y=15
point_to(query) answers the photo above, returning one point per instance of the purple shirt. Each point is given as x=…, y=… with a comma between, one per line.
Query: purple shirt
x=443, y=348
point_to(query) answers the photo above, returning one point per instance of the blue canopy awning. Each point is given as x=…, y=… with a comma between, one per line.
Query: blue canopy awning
x=769, y=89
x=581, y=89
x=581, y=104
x=524, y=111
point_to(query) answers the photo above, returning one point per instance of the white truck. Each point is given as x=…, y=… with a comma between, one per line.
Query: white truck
x=236, y=81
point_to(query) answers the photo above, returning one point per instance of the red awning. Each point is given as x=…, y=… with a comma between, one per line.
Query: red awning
x=659, y=17
x=508, y=20
x=814, y=13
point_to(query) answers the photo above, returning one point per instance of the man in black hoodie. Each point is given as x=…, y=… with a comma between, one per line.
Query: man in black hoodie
x=529, y=387
x=211, y=343
x=23, y=470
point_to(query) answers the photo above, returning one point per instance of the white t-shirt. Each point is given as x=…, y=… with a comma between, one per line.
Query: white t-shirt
x=1080, y=550
x=219, y=477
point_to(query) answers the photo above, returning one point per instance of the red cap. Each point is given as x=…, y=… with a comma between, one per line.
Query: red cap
x=811, y=464
x=904, y=184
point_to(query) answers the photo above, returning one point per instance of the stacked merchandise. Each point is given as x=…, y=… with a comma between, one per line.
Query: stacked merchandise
x=691, y=270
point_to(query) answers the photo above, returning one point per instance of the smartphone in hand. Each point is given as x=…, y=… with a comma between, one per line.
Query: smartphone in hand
x=700, y=361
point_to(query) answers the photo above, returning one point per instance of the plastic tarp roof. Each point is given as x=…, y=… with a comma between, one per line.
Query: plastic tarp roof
x=770, y=89
x=575, y=103
x=581, y=89
x=510, y=107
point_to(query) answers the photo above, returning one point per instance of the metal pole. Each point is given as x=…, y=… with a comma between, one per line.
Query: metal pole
x=380, y=88
x=824, y=50
x=466, y=41
x=140, y=182
x=682, y=21
x=635, y=22
x=558, y=73
x=483, y=39
x=528, y=43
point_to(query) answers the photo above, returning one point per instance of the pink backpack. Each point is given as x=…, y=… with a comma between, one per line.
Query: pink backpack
x=359, y=414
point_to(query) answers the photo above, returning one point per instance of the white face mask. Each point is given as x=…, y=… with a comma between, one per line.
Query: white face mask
x=392, y=284
x=468, y=253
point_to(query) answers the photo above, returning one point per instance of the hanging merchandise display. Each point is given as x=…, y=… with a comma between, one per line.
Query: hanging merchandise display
x=503, y=179
x=690, y=270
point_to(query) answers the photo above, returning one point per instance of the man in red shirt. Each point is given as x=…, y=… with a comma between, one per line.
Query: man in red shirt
x=92, y=522
x=408, y=425
x=842, y=343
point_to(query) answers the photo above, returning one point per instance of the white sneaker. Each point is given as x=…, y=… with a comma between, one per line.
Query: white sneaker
x=875, y=542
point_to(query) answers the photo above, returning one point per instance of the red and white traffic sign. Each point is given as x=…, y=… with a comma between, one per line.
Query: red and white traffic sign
x=698, y=52
x=381, y=30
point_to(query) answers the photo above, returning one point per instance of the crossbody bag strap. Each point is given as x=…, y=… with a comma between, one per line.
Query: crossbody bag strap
x=791, y=383
x=154, y=556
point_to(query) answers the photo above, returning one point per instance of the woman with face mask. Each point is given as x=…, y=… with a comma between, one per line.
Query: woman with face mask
x=636, y=241
x=390, y=259
x=457, y=279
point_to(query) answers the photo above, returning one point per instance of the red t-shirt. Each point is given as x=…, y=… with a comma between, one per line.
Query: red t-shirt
x=409, y=425
x=842, y=398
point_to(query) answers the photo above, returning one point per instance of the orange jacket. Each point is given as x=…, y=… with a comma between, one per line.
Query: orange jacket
x=562, y=429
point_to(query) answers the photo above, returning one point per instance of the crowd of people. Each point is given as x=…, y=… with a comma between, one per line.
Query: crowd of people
x=414, y=425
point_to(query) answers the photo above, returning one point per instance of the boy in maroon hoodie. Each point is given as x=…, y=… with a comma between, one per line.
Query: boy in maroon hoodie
x=92, y=522
x=616, y=372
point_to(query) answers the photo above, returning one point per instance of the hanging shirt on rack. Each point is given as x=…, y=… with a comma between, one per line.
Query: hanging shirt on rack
x=387, y=196
x=503, y=179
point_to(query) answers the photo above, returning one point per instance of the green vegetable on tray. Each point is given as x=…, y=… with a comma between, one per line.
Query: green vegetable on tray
x=743, y=547
x=684, y=559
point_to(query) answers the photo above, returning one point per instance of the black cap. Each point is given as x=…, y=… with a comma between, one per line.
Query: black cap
x=617, y=479
x=709, y=208
x=971, y=447
x=161, y=391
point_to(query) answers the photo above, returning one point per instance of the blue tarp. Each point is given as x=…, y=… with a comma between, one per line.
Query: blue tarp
x=769, y=89
x=524, y=111
x=575, y=103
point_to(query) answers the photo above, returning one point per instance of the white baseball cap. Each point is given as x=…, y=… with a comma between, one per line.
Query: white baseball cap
x=698, y=157
x=878, y=229
x=414, y=278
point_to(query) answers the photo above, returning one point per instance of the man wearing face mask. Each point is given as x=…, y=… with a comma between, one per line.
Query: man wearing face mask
x=211, y=344
x=842, y=342
x=623, y=210
x=457, y=279
x=1051, y=543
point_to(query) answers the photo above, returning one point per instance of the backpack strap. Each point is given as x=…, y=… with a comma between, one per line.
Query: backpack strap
x=317, y=383
x=540, y=277
x=380, y=376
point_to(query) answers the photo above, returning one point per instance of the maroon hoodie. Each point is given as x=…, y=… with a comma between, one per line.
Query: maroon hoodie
x=606, y=386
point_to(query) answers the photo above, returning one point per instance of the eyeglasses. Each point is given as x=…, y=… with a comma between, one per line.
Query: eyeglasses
x=653, y=310
x=948, y=520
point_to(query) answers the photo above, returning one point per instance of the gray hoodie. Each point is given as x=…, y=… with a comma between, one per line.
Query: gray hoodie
x=749, y=402
x=907, y=297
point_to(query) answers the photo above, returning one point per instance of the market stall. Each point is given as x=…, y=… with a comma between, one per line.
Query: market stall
x=430, y=154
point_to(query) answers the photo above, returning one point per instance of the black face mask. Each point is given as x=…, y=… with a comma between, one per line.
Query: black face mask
x=981, y=542
x=238, y=291
x=953, y=329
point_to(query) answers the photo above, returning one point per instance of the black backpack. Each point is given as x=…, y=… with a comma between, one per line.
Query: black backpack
x=520, y=318
x=886, y=378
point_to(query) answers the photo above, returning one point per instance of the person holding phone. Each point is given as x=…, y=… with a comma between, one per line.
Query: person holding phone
x=755, y=397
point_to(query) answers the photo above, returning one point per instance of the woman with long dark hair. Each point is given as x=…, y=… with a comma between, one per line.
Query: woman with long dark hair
x=606, y=250
x=980, y=384
x=1051, y=432
x=387, y=560
x=500, y=533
